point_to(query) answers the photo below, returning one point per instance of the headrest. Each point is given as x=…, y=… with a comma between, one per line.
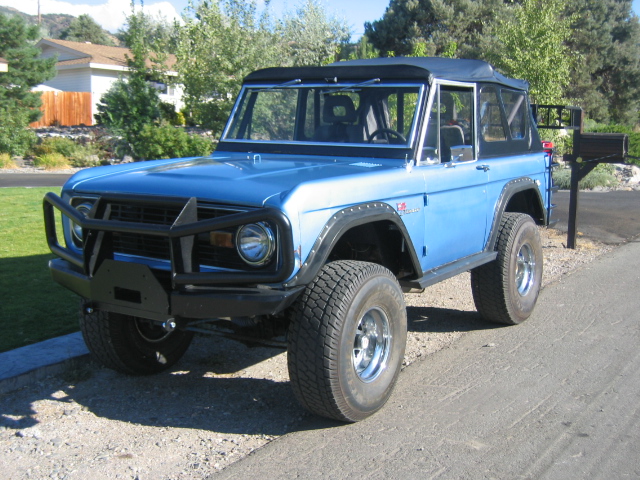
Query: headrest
x=338, y=108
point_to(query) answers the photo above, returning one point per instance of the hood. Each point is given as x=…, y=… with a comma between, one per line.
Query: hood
x=237, y=179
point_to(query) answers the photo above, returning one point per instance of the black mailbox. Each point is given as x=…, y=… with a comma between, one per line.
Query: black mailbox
x=606, y=147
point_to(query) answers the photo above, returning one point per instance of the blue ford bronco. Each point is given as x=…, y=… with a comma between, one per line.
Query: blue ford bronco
x=332, y=191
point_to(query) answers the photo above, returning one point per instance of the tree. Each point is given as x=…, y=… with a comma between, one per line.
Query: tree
x=310, y=36
x=26, y=68
x=220, y=43
x=361, y=50
x=606, y=81
x=18, y=105
x=434, y=26
x=133, y=102
x=85, y=29
x=604, y=39
x=224, y=40
x=404, y=23
x=532, y=46
x=161, y=35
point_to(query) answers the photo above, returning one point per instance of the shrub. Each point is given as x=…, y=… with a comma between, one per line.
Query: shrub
x=83, y=156
x=601, y=176
x=15, y=137
x=63, y=146
x=6, y=161
x=169, y=114
x=51, y=161
x=166, y=141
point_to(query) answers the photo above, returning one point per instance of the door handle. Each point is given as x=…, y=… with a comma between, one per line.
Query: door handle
x=482, y=167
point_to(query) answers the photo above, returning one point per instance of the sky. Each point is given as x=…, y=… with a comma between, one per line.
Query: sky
x=111, y=13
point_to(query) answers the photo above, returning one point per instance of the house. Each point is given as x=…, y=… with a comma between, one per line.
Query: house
x=87, y=67
x=4, y=65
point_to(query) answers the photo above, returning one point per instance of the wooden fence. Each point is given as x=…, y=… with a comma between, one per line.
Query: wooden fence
x=65, y=109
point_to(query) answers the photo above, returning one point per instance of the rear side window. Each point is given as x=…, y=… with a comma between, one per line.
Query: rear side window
x=491, y=126
x=515, y=107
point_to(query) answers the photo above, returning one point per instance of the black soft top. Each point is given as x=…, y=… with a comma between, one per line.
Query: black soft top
x=393, y=68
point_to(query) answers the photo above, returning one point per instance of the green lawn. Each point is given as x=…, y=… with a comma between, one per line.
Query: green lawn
x=32, y=307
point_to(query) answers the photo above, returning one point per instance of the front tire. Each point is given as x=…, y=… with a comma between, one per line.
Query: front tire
x=506, y=290
x=346, y=340
x=132, y=345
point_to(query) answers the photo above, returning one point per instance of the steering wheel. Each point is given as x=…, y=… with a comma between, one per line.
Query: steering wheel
x=387, y=131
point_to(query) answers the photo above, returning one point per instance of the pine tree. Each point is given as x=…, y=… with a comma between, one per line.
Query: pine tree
x=18, y=105
x=85, y=29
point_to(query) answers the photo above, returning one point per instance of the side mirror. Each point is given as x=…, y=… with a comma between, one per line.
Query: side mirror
x=429, y=156
x=462, y=153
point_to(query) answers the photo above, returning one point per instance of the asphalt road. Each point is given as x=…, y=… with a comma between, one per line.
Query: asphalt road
x=609, y=217
x=33, y=179
x=553, y=398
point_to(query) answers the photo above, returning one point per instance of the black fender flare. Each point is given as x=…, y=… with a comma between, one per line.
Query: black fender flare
x=508, y=191
x=338, y=225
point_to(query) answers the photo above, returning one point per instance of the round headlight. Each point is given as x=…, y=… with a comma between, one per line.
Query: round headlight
x=76, y=230
x=255, y=243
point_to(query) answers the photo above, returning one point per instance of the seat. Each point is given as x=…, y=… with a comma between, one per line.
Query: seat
x=450, y=136
x=339, y=113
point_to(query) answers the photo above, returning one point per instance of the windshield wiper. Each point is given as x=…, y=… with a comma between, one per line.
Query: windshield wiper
x=356, y=85
x=290, y=83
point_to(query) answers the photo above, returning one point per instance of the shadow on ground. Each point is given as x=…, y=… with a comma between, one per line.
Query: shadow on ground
x=33, y=306
x=209, y=389
x=440, y=320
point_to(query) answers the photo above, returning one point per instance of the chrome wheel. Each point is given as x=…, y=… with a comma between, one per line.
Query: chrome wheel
x=525, y=269
x=371, y=345
x=347, y=339
x=506, y=290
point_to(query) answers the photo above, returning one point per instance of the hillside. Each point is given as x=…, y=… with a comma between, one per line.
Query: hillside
x=53, y=24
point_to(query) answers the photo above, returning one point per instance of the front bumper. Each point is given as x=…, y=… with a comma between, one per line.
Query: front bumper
x=184, y=291
x=134, y=289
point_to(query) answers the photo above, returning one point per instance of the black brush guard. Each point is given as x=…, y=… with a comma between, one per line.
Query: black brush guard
x=135, y=289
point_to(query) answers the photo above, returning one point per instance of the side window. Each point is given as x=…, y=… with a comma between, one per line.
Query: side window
x=515, y=107
x=491, y=126
x=450, y=126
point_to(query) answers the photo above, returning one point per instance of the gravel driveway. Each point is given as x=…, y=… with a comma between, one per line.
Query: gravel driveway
x=222, y=401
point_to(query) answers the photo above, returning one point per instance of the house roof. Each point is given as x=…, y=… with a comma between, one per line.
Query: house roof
x=396, y=68
x=78, y=53
x=3, y=65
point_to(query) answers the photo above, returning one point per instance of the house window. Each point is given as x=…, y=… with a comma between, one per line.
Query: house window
x=160, y=87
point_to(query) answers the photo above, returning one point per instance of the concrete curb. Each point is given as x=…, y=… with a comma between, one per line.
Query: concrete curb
x=28, y=364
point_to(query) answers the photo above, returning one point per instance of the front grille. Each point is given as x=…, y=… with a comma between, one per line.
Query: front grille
x=145, y=213
x=154, y=247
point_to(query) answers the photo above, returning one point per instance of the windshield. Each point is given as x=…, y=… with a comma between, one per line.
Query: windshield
x=364, y=113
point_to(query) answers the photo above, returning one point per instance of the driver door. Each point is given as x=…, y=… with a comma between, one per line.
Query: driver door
x=455, y=184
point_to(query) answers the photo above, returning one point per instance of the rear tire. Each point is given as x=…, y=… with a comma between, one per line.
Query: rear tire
x=346, y=340
x=506, y=290
x=132, y=345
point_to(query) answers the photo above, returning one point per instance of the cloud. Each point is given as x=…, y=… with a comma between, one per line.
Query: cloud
x=111, y=15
